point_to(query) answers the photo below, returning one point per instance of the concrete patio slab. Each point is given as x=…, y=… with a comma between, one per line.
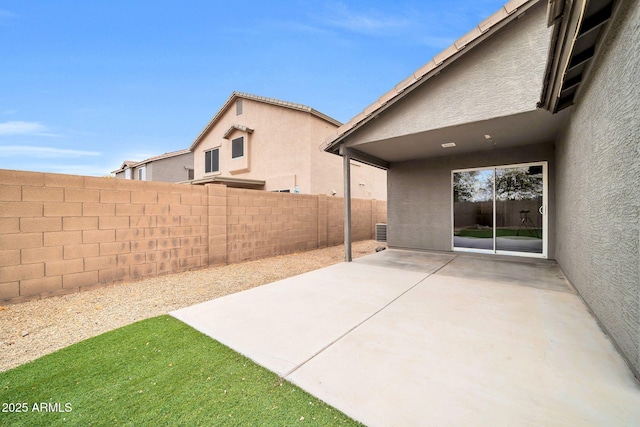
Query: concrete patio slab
x=403, y=338
x=282, y=324
x=459, y=352
x=425, y=262
x=534, y=272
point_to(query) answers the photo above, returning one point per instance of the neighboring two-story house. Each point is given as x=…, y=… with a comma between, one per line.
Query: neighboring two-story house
x=268, y=144
x=176, y=166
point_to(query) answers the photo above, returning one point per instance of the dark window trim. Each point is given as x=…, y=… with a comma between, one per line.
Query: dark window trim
x=234, y=145
x=209, y=158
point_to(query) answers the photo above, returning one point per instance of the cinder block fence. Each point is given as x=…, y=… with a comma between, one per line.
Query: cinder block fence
x=64, y=233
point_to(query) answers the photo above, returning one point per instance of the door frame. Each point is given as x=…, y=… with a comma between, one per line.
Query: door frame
x=545, y=211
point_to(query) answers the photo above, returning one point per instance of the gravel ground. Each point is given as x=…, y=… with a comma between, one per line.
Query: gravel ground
x=32, y=329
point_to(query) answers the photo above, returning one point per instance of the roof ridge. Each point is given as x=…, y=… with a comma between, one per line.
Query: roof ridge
x=440, y=60
x=272, y=101
x=164, y=155
x=134, y=163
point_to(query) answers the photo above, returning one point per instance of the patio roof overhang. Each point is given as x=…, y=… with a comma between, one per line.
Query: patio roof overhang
x=254, y=184
x=523, y=127
x=535, y=126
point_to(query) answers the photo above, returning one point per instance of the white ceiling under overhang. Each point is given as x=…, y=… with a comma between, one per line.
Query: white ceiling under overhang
x=536, y=126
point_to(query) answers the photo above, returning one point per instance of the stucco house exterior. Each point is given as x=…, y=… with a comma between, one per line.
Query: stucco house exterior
x=268, y=144
x=176, y=166
x=523, y=139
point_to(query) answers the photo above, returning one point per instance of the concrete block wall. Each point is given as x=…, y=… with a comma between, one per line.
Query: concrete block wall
x=365, y=214
x=64, y=233
x=217, y=226
x=61, y=233
x=262, y=224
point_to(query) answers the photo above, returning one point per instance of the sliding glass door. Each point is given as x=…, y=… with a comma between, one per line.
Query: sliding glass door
x=501, y=209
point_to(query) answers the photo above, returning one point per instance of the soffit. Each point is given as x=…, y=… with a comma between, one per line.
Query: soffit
x=536, y=126
x=579, y=27
x=229, y=182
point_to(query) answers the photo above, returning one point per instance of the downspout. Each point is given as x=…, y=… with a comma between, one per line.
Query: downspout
x=346, y=161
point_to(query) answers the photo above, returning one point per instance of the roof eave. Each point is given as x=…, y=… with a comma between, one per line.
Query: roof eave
x=272, y=101
x=213, y=120
x=565, y=22
x=236, y=128
x=125, y=165
x=580, y=23
x=504, y=16
x=226, y=180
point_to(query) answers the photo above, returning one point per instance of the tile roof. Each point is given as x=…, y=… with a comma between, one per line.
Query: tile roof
x=272, y=101
x=131, y=164
x=164, y=156
x=237, y=127
x=509, y=11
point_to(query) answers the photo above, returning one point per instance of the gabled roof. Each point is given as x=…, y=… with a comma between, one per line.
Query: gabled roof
x=127, y=164
x=236, y=127
x=133, y=164
x=163, y=156
x=239, y=95
x=510, y=11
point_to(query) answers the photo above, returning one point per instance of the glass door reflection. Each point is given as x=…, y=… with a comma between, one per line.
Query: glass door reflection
x=473, y=209
x=500, y=209
x=519, y=193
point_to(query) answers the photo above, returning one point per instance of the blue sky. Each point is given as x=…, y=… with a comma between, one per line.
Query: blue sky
x=85, y=85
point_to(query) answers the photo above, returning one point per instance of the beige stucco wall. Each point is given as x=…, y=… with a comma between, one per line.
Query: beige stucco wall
x=500, y=77
x=284, y=151
x=327, y=171
x=274, y=154
x=278, y=152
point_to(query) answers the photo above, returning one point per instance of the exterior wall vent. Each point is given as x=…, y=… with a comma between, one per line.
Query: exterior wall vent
x=381, y=232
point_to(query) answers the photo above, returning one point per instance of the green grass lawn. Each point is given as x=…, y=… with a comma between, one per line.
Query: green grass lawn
x=501, y=232
x=155, y=372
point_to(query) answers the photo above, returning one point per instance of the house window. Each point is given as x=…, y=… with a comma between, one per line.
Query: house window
x=142, y=173
x=237, y=147
x=238, y=107
x=190, y=174
x=212, y=160
x=127, y=173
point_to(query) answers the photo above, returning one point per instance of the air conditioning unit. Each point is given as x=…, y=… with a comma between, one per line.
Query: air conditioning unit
x=381, y=232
